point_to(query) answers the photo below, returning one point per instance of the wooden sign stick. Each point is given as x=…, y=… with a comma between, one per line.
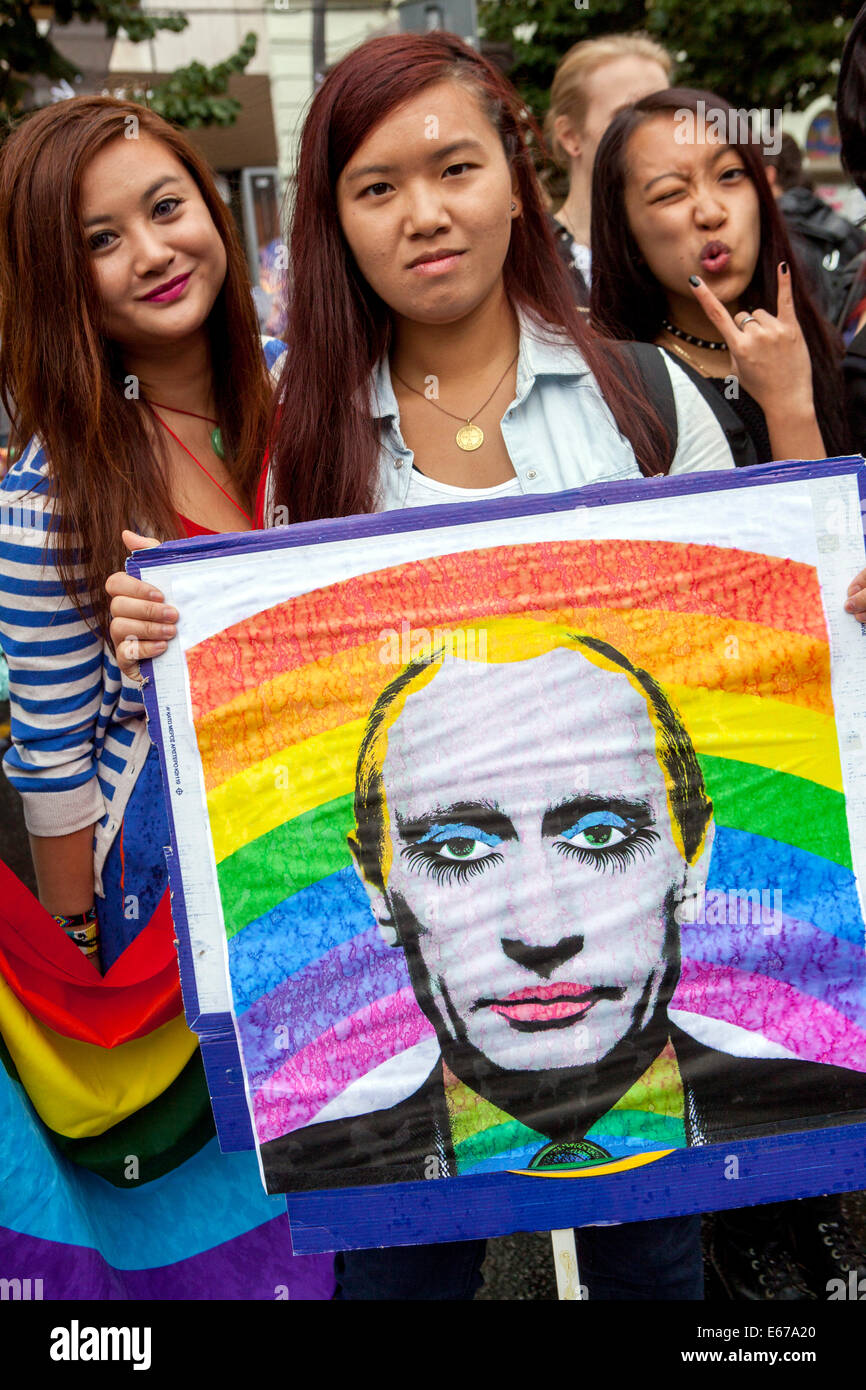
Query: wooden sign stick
x=565, y=1264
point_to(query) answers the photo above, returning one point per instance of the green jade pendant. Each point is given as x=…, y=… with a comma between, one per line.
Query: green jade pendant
x=216, y=440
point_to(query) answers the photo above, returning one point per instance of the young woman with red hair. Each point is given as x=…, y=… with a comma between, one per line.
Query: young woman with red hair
x=138, y=387
x=435, y=350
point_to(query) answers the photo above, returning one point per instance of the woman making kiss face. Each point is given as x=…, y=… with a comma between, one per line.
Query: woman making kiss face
x=693, y=211
x=691, y=253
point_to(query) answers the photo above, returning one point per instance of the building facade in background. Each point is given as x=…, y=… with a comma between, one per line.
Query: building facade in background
x=278, y=82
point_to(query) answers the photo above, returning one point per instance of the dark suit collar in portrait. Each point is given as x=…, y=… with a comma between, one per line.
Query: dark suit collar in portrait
x=724, y=1098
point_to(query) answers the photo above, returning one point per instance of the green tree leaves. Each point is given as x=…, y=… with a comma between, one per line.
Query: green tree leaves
x=754, y=52
x=193, y=96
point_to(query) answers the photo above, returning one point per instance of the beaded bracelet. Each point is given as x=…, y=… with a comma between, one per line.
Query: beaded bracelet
x=82, y=928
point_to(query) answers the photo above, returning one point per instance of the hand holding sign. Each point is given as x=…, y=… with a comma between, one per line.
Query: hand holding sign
x=141, y=623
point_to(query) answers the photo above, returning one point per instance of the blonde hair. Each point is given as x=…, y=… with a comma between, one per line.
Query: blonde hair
x=568, y=93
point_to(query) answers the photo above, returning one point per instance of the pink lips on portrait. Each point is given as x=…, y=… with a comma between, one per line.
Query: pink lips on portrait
x=715, y=257
x=436, y=262
x=544, y=1003
x=171, y=289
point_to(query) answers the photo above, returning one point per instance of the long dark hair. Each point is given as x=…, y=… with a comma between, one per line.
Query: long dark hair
x=325, y=447
x=62, y=380
x=851, y=101
x=627, y=299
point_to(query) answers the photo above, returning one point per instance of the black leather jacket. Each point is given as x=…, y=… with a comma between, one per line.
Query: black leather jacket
x=825, y=244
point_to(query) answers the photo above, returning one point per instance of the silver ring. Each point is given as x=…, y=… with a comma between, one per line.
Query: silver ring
x=750, y=318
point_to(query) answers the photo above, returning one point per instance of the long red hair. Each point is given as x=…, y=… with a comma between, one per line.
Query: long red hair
x=63, y=381
x=325, y=446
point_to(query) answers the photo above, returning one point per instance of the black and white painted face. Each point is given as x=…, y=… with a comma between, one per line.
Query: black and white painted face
x=532, y=862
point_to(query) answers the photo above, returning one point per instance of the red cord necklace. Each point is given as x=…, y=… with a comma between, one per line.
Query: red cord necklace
x=216, y=436
x=211, y=419
x=193, y=457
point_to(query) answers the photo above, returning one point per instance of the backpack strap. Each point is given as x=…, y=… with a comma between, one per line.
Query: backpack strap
x=655, y=376
x=739, y=440
x=653, y=371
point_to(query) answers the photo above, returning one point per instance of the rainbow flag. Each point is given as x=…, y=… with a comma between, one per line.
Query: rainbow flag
x=112, y=1184
x=738, y=642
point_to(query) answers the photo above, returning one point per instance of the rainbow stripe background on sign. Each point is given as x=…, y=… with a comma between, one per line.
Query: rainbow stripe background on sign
x=739, y=643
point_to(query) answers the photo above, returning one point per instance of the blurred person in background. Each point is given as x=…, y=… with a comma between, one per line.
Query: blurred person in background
x=851, y=110
x=593, y=80
x=825, y=241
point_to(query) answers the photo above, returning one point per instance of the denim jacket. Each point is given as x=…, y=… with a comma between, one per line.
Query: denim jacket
x=558, y=430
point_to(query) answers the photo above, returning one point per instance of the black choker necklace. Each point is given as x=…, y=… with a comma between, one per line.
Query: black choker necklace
x=690, y=338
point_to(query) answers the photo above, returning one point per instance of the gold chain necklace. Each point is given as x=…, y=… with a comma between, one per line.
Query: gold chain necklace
x=687, y=357
x=469, y=437
x=674, y=347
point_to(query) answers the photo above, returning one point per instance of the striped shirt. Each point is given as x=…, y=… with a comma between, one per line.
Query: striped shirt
x=79, y=734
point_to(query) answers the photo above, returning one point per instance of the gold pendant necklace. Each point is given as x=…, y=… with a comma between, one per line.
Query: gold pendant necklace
x=469, y=437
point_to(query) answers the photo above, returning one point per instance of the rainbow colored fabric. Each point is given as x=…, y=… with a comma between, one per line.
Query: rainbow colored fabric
x=112, y=1184
x=738, y=642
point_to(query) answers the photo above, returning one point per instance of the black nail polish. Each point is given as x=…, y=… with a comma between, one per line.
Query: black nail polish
x=784, y=267
x=693, y=280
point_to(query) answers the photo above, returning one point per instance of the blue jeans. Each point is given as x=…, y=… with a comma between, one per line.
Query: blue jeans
x=643, y=1260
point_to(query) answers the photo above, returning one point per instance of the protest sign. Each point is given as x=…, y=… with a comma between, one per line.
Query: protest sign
x=521, y=843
